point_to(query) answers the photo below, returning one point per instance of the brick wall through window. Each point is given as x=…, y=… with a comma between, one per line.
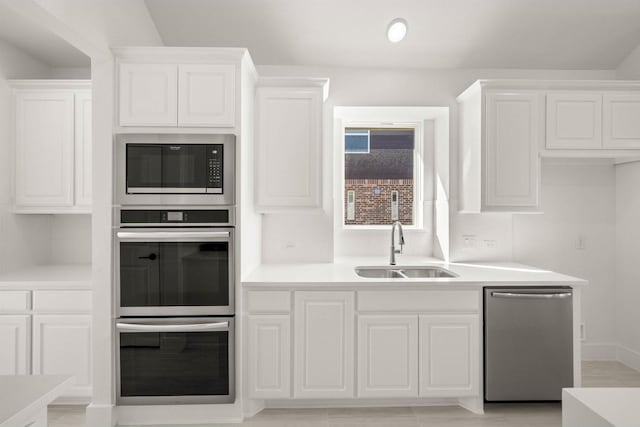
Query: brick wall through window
x=373, y=201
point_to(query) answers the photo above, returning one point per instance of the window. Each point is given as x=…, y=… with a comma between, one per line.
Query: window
x=356, y=141
x=379, y=175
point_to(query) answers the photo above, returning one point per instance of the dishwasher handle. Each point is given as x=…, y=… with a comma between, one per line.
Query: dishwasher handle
x=516, y=295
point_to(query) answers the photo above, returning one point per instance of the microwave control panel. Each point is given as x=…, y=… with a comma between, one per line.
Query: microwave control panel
x=215, y=166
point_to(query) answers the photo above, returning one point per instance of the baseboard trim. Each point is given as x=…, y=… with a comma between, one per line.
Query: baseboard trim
x=599, y=351
x=628, y=357
x=358, y=403
x=101, y=415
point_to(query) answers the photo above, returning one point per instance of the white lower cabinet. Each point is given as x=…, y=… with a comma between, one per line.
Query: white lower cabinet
x=449, y=355
x=324, y=344
x=269, y=367
x=395, y=344
x=62, y=346
x=387, y=356
x=14, y=344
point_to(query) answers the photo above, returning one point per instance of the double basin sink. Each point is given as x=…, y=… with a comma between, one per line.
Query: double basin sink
x=398, y=272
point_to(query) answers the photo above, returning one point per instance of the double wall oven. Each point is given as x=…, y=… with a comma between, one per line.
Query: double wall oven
x=175, y=270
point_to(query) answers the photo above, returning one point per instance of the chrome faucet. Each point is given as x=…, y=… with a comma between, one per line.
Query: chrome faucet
x=395, y=251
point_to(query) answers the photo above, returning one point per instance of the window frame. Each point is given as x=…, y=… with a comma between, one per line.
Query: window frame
x=418, y=170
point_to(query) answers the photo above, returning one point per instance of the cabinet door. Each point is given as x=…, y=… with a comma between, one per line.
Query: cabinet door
x=14, y=345
x=512, y=163
x=323, y=344
x=62, y=346
x=83, y=141
x=289, y=147
x=621, y=120
x=387, y=356
x=574, y=120
x=269, y=356
x=206, y=95
x=44, y=148
x=449, y=355
x=148, y=94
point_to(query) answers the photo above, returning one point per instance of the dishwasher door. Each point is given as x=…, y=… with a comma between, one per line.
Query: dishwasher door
x=528, y=343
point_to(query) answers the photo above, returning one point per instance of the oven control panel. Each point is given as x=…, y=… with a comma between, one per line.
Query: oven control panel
x=175, y=217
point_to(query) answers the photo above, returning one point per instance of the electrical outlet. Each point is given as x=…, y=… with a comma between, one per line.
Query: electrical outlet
x=469, y=241
x=581, y=243
x=583, y=332
x=489, y=243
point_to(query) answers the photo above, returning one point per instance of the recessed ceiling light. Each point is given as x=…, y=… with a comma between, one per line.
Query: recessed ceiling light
x=397, y=30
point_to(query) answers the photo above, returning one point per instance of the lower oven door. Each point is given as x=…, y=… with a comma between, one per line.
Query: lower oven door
x=175, y=360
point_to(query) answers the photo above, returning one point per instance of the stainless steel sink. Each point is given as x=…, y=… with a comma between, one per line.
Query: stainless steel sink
x=396, y=272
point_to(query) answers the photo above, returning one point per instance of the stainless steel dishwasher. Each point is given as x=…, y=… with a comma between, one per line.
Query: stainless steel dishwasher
x=528, y=343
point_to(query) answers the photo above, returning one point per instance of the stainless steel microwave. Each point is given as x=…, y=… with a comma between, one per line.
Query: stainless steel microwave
x=175, y=169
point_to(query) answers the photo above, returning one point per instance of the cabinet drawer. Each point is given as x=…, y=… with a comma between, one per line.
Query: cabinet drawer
x=62, y=301
x=14, y=301
x=419, y=301
x=269, y=301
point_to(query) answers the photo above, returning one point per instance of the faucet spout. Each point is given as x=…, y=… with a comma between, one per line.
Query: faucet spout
x=394, y=251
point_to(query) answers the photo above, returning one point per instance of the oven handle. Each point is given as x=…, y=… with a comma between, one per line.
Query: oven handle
x=146, y=235
x=192, y=327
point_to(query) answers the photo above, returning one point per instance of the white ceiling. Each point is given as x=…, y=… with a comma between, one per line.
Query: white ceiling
x=553, y=34
x=37, y=42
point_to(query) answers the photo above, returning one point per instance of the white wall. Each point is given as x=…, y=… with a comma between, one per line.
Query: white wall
x=27, y=240
x=629, y=69
x=627, y=262
x=578, y=201
x=70, y=73
x=541, y=240
x=19, y=235
x=106, y=23
x=628, y=243
x=304, y=237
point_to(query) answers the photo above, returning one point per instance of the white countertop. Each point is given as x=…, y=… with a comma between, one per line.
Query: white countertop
x=617, y=406
x=24, y=395
x=342, y=272
x=47, y=277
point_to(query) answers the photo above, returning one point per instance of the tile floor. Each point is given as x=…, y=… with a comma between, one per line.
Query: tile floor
x=595, y=374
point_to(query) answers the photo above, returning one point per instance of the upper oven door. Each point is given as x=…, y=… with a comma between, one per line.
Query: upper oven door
x=175, y=170
x=172, y=272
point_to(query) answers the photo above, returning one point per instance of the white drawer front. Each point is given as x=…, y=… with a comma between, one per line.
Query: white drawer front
x=14, y=301
x=62, y=301
x=269, y=301
x=419, y=301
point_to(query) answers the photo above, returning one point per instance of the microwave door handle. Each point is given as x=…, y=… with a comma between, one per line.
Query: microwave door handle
x=171, y=235
x=193, y=327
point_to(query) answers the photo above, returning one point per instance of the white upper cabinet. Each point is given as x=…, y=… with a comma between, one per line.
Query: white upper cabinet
x=512, y=162
x=52, y=137
x=574, y=120
x=148, y=94
x=44, y=148
x=206, y=95
x=173, y=94
x=289, y=144
x=83, y=151
x=621, y=120
x=500, y=136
